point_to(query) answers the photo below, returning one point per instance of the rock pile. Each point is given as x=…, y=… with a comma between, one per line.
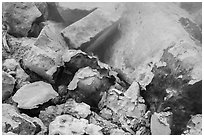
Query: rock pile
x=101, y=68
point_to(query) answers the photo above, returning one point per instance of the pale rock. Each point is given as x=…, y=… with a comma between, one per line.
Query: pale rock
x=31, y=95
x=158, y=127
x=67, y=125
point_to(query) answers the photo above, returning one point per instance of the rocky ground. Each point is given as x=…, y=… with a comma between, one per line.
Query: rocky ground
x=101, y=68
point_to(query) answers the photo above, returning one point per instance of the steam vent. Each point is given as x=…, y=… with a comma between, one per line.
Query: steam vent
x=86, y=68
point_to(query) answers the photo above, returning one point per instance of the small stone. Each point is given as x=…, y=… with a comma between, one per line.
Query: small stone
x=67, y=125
x=7, y=85
x=10, y=65
x=34, y=94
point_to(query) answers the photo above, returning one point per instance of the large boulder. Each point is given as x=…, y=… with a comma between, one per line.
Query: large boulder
x=19, y=16
x=31, y=95
x=160, y=48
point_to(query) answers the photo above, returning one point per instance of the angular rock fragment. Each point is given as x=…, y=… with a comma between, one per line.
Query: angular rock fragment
x=67, y=125
x=194, y=126
x=41, y=59
x=14, y=69
x=51, y=39
x=15, y=123
x=34, y=94
x=79, y=110
x=126, y=111
x=43, y=8
x=85, y=77
x=19, y=16
x=83, y=31
x=7, y=85
x=159, y=124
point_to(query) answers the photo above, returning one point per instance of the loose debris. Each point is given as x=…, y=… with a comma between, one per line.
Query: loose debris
x=54, y=83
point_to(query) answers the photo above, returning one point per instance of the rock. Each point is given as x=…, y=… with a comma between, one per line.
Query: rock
x=43, y=8
x=22, y=78
x=13, y=68
x=118, y=132
x=92, y=129
x=78, y=110
x=34, y=94
x=85, y=77
x=135, y=63
x=18, y=47
x=7, y=85
x=51, y=39
x=38, y=58
x=160, y=126
x=10, y=65
x=19, y=17
x=124, y=111
x=194, y=126
x=15, y=123
x=83, y=31
x=67, y=125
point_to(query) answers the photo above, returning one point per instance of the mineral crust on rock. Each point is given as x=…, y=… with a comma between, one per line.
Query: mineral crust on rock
x=31, y=95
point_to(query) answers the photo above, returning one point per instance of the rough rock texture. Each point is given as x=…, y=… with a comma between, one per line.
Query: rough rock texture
x=19, y=16
x=51, y=39
x=77, y=37
x=146, y=29
x=7, y=85
x=194, y=126
x=39, y=58
x=17, y=47
x=124, y=109
x=78, y=110
x=31, y=95
x=13, y=68
x=67, y=125
x=15, y=123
